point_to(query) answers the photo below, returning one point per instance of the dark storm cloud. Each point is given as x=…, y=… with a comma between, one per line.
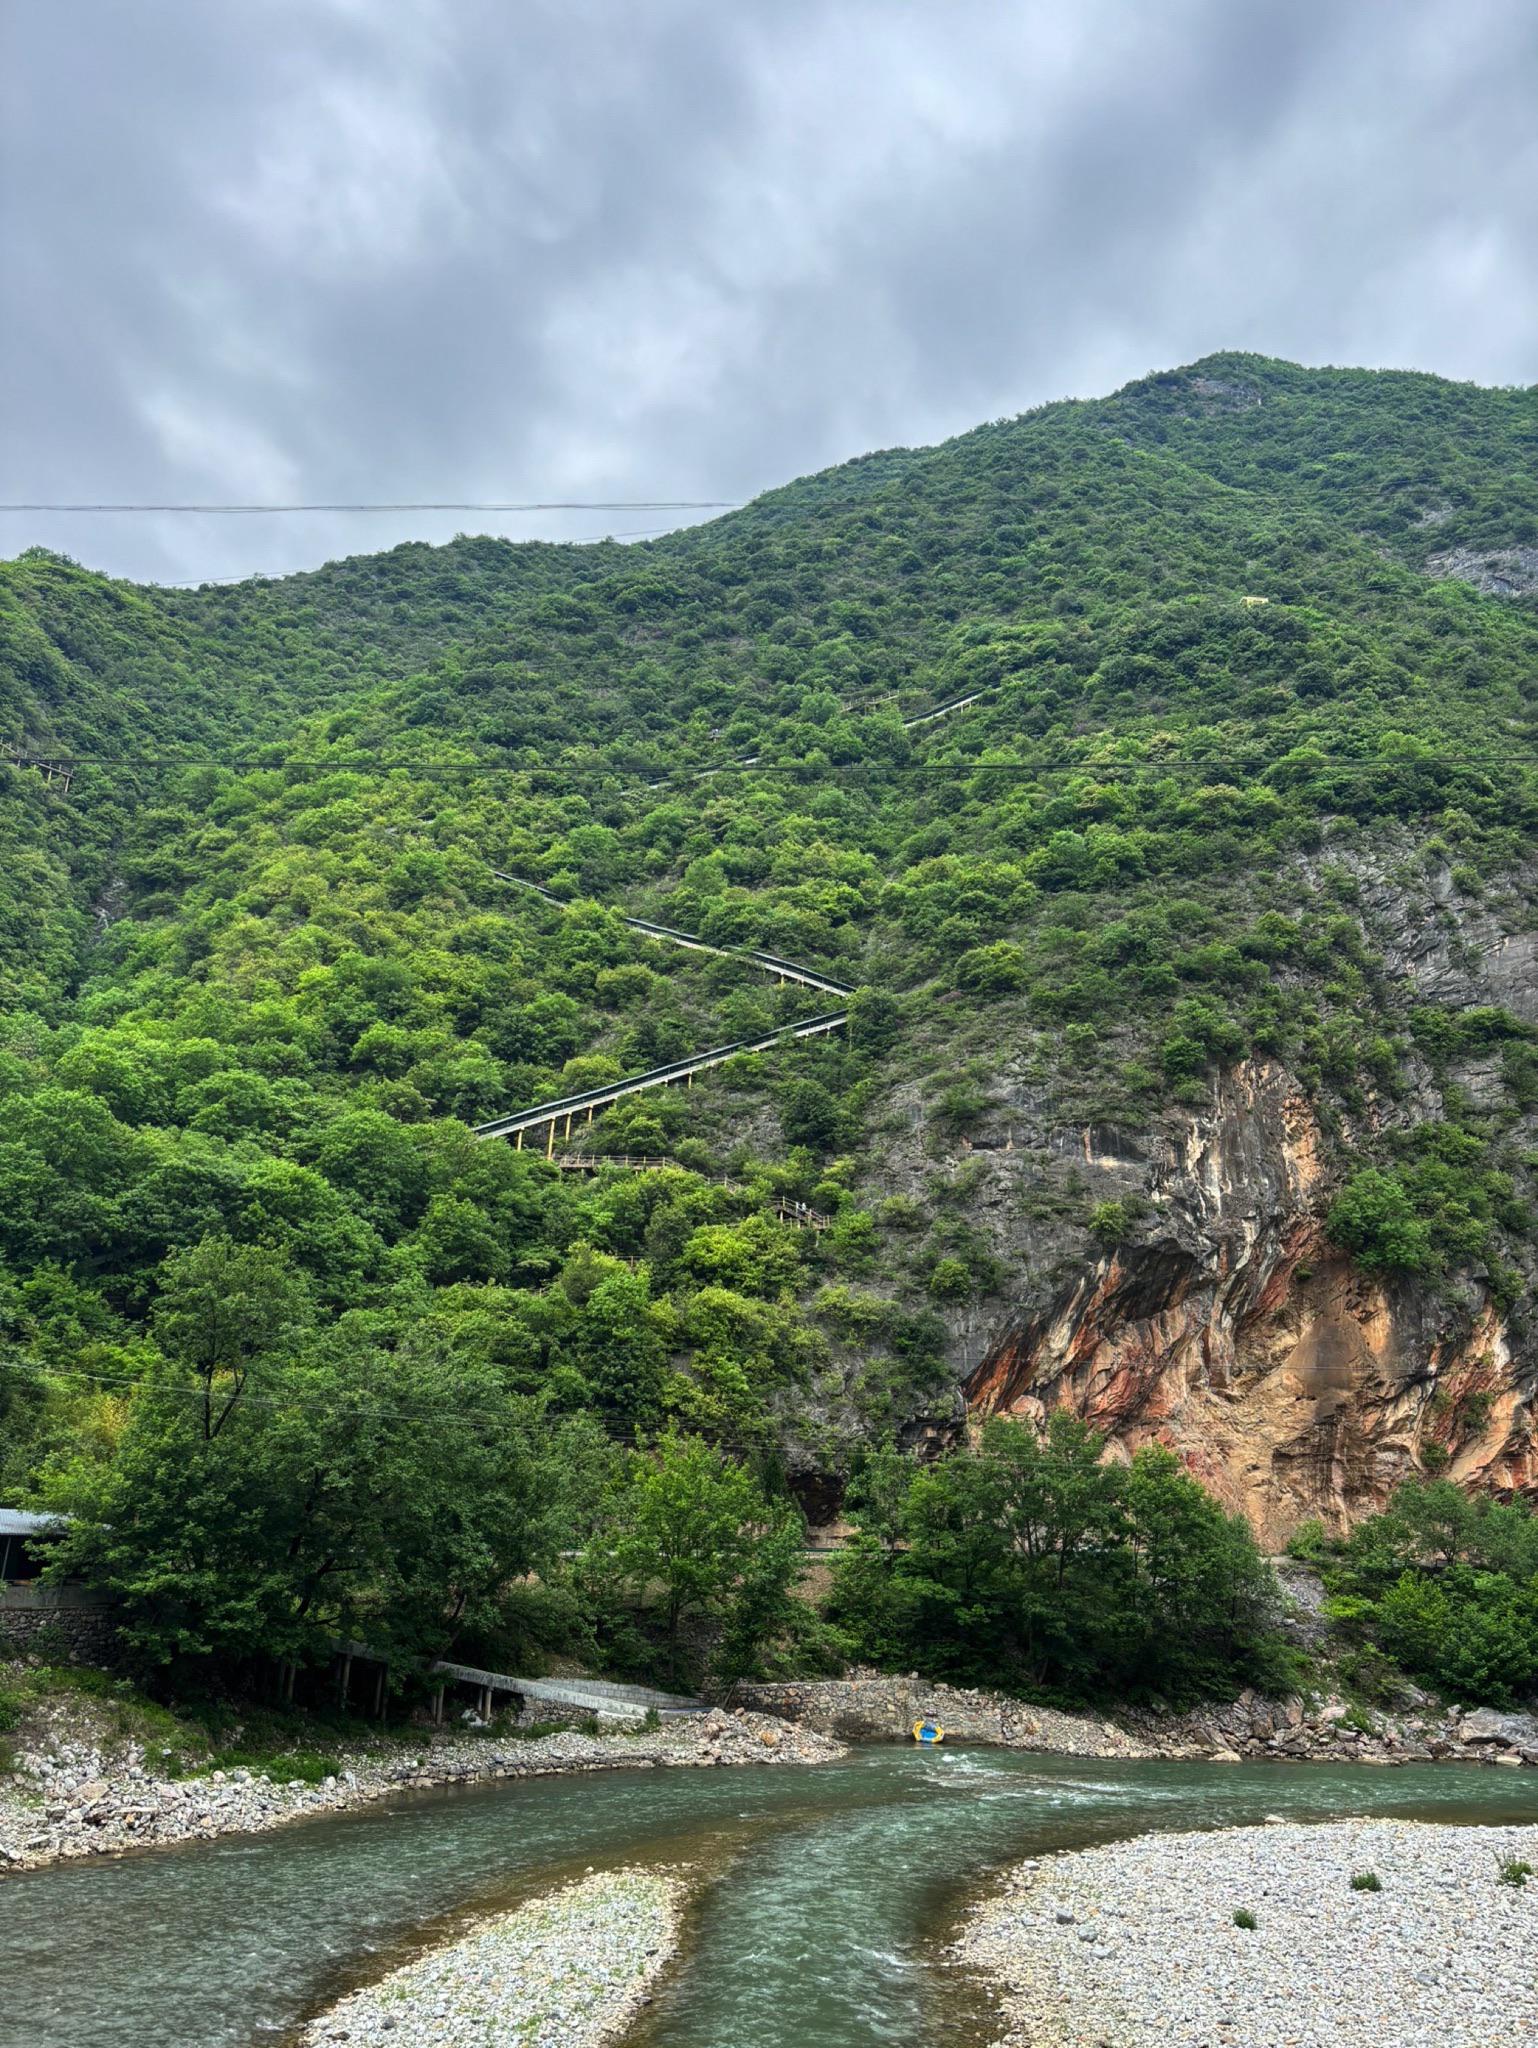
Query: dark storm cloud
x=489, y=249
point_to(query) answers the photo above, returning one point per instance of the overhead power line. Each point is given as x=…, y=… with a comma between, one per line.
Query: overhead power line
x=565, y=540
x=447, y=505
x=376, y=1409
x=1055, y=765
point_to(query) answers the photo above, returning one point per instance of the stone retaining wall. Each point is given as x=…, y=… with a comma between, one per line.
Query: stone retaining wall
x=868, y=1708
x=56, y=1622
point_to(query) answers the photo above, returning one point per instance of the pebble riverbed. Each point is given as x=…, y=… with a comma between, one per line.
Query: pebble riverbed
x=1135, y=1944
x=73, y=1800
x=564, y=1971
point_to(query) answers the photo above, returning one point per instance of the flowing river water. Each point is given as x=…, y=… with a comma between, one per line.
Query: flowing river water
x=827, y=1891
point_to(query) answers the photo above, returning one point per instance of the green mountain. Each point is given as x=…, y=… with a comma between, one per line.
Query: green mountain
x=1190, y=1079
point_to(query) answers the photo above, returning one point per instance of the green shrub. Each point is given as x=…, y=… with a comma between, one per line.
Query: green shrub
x=1309, y=1542
x=1244, y=1918
x=992, y=970
x=1109, y=1222
x=1374, y=1220
x=950, y=1280
x=938, y=1582
x=308, y=1766
x=1366, y=1881
x=1447, y=1585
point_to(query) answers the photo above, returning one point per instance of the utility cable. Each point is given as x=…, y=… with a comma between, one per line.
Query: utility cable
x=423, y=505
x=375, y=1411
x=235, y=576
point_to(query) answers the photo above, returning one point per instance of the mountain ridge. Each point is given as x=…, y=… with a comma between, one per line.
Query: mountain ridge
x=1232, y=749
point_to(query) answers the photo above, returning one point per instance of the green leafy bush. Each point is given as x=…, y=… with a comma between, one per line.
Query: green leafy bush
x=1031, y=1564
x=1447, y=1586
x=1374, y=1220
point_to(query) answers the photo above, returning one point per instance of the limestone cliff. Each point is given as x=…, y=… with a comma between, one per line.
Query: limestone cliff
x=1233, y=1333
x=1221, y=1321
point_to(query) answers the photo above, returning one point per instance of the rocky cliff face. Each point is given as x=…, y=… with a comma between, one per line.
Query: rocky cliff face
x=1224, y=1324
x=1233, y=1333
x=1498, y=572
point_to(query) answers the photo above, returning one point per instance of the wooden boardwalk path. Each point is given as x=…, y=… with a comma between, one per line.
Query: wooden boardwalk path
x=587, y=1102
x=945, y=710
x=908, y=724
x=57, y=771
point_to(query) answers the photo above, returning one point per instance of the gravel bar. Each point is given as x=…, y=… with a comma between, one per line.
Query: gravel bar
x=73, y=1800
x=565, y=1971
x=1136, y=1943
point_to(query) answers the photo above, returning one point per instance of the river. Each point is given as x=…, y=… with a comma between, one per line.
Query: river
x=831, y=1889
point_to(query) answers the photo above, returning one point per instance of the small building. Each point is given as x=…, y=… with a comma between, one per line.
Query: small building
x=21, y=1538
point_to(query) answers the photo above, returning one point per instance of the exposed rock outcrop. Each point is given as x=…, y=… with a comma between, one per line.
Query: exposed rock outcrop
x=1176, y=1283
x=1498, y=572
x=1232, y=1332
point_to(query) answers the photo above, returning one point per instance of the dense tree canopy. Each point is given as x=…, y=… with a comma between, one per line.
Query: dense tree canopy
x=1032, y=1562
x=1447, y=1586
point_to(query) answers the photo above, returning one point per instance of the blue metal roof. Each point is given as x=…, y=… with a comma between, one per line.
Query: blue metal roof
x=17, y=1522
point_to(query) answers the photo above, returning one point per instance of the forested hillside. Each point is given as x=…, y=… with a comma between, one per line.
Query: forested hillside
x=1190, y=1080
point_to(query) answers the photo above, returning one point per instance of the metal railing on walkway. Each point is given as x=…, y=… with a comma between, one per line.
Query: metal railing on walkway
x=754, y=956
x=591, y=1100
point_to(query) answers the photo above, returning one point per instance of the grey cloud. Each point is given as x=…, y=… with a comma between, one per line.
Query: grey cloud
x=445, y=248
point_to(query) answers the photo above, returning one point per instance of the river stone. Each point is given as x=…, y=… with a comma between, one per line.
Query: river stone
x=1442, y=1958
x=1514, y=1731
x=564, y=1971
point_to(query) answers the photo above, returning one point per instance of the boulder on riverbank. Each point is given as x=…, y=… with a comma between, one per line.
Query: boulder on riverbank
x=1353, y=1934
x=570, y=1967
x=876, y=1706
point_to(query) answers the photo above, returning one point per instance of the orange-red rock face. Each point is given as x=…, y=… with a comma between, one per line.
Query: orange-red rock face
x=1290, y=1384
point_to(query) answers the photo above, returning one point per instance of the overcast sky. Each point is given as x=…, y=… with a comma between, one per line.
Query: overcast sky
x=619, y=249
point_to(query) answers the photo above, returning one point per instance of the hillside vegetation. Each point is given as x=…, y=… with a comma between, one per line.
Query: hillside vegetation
x=259, y=980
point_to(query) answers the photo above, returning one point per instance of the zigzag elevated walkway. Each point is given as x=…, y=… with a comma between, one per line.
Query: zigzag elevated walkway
x=771, y=963
x=588, y=1101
